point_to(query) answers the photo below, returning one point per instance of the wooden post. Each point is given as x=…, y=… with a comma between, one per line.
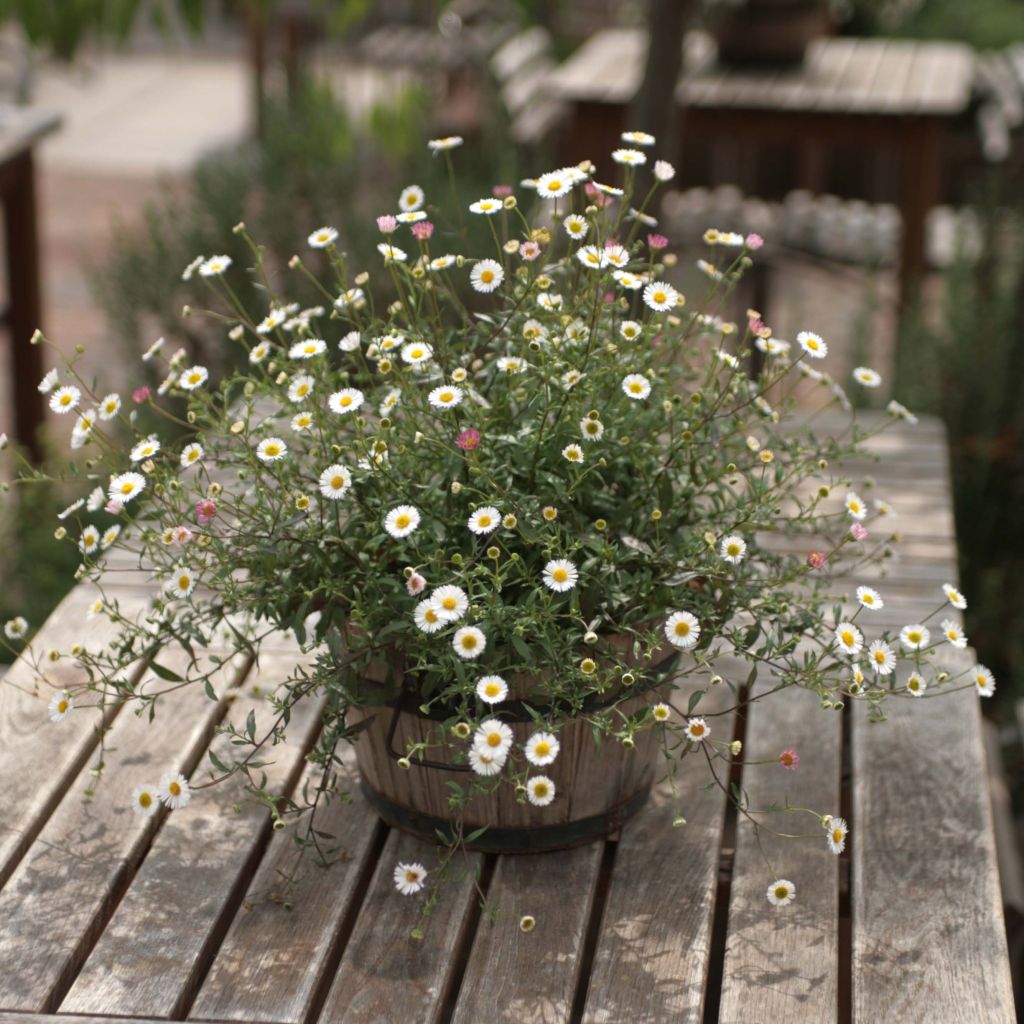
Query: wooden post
x=24, y=315
x=920, y=190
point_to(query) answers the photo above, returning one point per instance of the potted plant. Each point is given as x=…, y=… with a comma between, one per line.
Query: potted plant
x=517, y=511
x=766, y=33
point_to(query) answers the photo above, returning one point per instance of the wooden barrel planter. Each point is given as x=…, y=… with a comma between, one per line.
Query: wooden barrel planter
x=598, y=788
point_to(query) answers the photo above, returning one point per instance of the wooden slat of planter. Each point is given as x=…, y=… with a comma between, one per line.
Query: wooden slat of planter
x=89, y=849
x=653, y=950
x=929, y=941
x=145, y=962
x=40, y=759
x=76, y=1018
x=531, y=978
x=381, y=951
x=271, y=963
x=781, y=963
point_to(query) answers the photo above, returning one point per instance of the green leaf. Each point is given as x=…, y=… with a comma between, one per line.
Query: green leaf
x=695, y=699
x=165, y=673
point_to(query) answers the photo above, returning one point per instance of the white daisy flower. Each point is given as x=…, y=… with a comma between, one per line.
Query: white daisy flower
x=411, y=217
x=469, y=642
x=65, y=399
x=813, y=344
x=350, y=342
x=191, y=454
x=145, y=801
x=554, y=184
x=916, y=684
x=984, y=680
x=591, y=256
x=661, y=712
x=870, y=598
x=271, y=449
x=573, y=453
x=484, y=520
x=391, y=253
x=322, y=237
x=512, y=364
x=214, y=266
x=709, y=270
x=412, y=197
x=89, y=541
x=452, y=602
x=109, y=406
x=576, y=227
x=493, y=737
x=300, y=387
x=485, y=763
x=402, y=520
x=867, y=377
x=630, y=330
x=914, y=637
x=855, y=506
x=954, y=597
x=487, y=206
x=345, y=401
x=126, y=486
x=444, y=145
x=445, y=397
x=302, y=421
x=182, y=583
x=882, y=657
x=145, y=449
x=560, y=575
x=636, y=386
x=682, y=629
x=427, y=616
x=492, y=689
x=82, y=428
x=416, y=352
x=259, y=353
x=61, y=705
x=193, y=377
x=616, y=255
x=189, y=271
x=308, y=349
x=900, y=411
x=660, y=297
x=592, y=430
x=549, y=301
x=837, y=833
x=571, y=378
x=335, y=480
x=638, y=138
x=781, y=892
x=542, y=748
x=733, y=548
x=778, y=347
x=849, y=638
x=391, y=399
x=110, y=534
x=74, y=507
x=410, y=878
x=486, y=275
x=630, y=157
x=174, y=790
x=728, y=358
x=697, y=730
x=49, y=381
x=540, y=791
x=628, y=280
x=350, y=297
x=16, y=628
x=441, y=262
x=271, y=321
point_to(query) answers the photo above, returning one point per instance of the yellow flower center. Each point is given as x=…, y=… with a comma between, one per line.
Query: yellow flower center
x=914, y=636
x=126, y=487
x=446, y=396
x=542, y=749
x=540, y=789
x=837, y=835
x=682, y=629
x=430, y=615
x=660, y=297
x=880, y=657
x=734, y=549
x=483, y=521
x=697, y=729
x=411, y=876
x=184, y=582
x=272, y=449
x=554, y=186
x=868, y=599
x=636, y=387
x=487, y=276
x=781, y=892
x=174, y=788
x=493, y=739
x=337, y=482
x=65, y=399
x=469, y=642
x=145, y=800
x=346, y=401
x=560, y=575
x=62, y=706
x=402, y=521
x=847, y=637
x=449, y=604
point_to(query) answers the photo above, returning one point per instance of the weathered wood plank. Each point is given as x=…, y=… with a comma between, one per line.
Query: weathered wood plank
x=531, y=978
x=653, y=950
x=57, y=901
x=145, y=962
x=781, y=963
x=929, y=941
x=40, y=758
x=385, y=975
x=254, y=979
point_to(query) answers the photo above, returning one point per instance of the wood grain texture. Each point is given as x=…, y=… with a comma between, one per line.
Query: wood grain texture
x=39, y=759
x=781, y=963
x=145, y=962
x=385, y=976
x=929, y=942
x=273, y=958
x=653, y=949
x=57, y=901
x=531, y=978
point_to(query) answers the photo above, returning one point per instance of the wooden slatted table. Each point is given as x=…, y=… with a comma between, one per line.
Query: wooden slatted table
x=104, y=915
x=894, y=96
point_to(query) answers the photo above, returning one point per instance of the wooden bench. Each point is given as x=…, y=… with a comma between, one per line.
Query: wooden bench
x=104, y=915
